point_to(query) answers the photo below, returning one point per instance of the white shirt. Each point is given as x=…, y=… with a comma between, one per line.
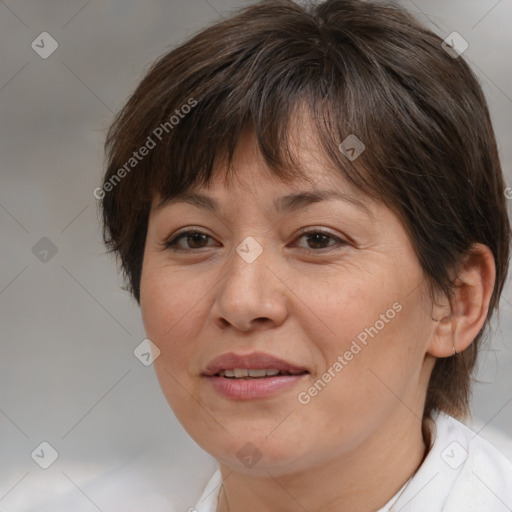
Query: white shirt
x=461, y=473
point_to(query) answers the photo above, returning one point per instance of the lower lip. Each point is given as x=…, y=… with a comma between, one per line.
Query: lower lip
x=246, y=389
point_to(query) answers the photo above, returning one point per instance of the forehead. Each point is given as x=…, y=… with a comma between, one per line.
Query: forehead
x=287, y=203
x=275, y=196
x=316, y=179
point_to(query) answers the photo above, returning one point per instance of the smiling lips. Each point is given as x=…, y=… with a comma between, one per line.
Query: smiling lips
x=254, y=361
x=255, y=375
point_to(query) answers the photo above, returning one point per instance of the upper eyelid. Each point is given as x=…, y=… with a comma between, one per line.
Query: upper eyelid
x=302, y=232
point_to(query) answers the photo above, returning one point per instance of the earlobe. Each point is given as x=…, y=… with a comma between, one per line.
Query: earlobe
x=459, y=325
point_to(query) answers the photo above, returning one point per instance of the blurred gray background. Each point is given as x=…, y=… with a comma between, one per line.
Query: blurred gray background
x=68, y=374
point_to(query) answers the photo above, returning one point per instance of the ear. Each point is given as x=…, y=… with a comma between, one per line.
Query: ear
x=459, y=325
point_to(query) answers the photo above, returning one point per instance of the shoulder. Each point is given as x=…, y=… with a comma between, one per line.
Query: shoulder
x=484, y=480
x=468, y=445
x=462, y=472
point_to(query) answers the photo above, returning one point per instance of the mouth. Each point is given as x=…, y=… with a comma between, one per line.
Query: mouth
x=253, y=373
x=250, y=376
x=253, y=365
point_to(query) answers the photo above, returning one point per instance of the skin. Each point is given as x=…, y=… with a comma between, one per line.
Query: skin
x=357, y=441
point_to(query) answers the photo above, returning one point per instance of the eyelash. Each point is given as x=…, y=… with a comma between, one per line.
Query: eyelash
x=172, y=244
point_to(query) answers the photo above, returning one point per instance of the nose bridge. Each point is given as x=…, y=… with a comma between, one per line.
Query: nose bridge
x=249, y=289
x=248, y=264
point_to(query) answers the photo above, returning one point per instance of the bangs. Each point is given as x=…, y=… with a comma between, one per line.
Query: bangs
x=278, y=124
x=196, y=136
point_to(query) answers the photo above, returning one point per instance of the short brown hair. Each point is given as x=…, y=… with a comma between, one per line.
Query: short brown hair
x=364, y=68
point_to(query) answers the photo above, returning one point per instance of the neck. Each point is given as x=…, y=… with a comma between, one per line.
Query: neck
x=361, y=480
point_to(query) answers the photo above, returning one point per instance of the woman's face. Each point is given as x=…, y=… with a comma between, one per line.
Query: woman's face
x=343, y=305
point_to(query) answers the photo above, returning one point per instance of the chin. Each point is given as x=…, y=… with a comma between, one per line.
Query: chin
x=257, y=455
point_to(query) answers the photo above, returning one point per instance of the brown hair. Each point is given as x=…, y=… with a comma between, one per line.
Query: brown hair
x=362, y=68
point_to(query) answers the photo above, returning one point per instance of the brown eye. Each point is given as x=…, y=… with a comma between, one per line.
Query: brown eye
x=317, y=239
x=194, y=238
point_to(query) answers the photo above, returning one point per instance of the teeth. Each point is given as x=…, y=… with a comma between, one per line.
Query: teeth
x=244, y=372
x=258, y=373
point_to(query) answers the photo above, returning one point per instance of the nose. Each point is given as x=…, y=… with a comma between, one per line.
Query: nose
x=252, y=294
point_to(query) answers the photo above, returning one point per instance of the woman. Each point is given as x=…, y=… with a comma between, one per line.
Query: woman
x=308, y=205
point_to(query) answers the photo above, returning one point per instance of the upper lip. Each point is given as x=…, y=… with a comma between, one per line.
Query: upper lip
x=256, y=360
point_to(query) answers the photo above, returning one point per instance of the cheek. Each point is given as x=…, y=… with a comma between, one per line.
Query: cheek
x=373, y=322
x=171, y=316
x=170, y=310
x=351, y=303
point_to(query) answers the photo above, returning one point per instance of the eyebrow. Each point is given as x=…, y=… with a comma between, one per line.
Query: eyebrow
x=285, y=204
